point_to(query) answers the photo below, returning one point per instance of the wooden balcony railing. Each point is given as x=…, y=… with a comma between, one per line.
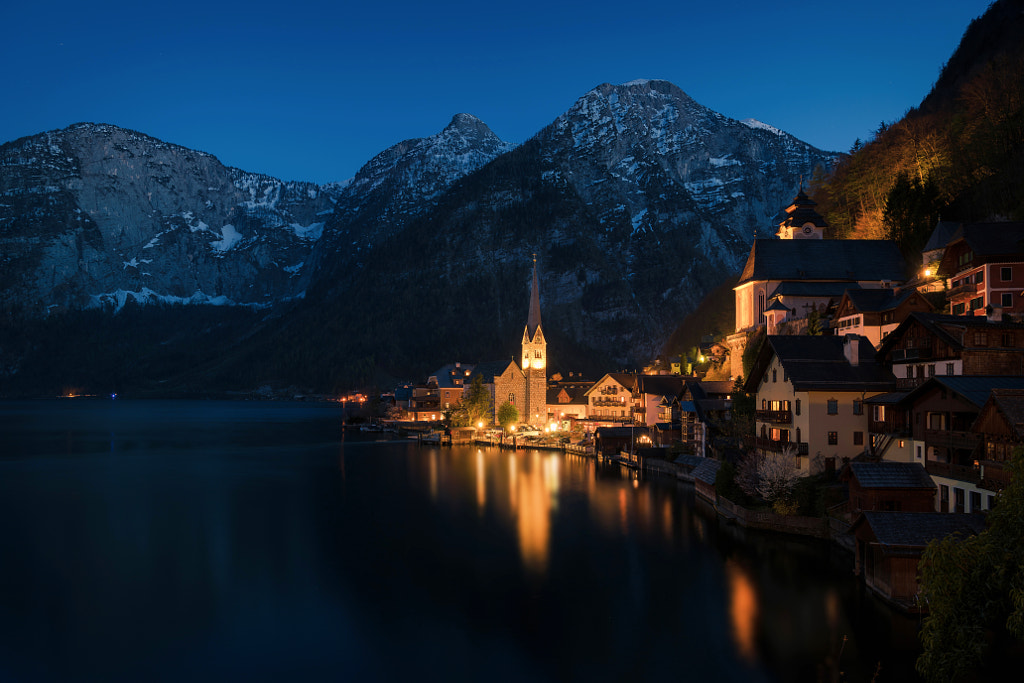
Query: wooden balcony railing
x=967, y=473
x=773, y=446
x=948, y=438
x=782, y=417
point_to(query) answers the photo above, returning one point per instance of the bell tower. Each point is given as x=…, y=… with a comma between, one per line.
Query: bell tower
x=535, y=357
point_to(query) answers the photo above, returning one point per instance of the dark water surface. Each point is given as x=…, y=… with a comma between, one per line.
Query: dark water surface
x=188, y=541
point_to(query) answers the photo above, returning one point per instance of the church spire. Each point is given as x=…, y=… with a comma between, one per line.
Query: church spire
x=533, y=321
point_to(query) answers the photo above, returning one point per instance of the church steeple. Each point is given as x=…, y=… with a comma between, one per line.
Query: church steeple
x=535, y=352
x=533, y=320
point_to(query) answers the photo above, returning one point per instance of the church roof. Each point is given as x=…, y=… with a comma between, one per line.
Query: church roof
x=828, y=260
x=491, y=369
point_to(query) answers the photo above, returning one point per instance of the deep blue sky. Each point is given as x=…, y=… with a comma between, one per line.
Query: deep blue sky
x=312, y=90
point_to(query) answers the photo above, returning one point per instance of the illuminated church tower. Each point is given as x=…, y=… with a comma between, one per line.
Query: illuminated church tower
x=535, y=356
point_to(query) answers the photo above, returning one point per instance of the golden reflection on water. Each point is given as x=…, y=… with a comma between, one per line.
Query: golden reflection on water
x=743, y=609
x=534, y=493
x=481, y=483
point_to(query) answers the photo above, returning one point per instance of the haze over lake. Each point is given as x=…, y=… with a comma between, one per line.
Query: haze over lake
x=168, y=540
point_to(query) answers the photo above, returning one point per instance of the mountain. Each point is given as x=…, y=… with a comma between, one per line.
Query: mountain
x=636, y=201
x=96, y=215
x=958, y=156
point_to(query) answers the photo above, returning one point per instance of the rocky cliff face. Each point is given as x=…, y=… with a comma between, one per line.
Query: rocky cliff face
x=95, y=215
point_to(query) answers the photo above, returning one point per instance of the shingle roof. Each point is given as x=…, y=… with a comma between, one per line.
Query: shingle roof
x=830, y=289
x=989, y=239
x=818, y=363
x=948, y=328
x=943, y=232
x=830, y=260
x=891, y=475
x=1010, y=403
x=973, y=388
x=917, y=529
x=707, y=471
x=660, y=385
x=691, y=461
x=875, y=300
x=447, y=374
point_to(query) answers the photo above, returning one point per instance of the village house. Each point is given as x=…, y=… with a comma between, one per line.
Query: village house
x=611, y=398
x=875, y=313
x=1000, y=426
x=937, y=424
x=810, y=393
x=984, y=265
x=451, y=382
x=803, y=273
x=889, y=486
x=930, y=344
x=889, y=546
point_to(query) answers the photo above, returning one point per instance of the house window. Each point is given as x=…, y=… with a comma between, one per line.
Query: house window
x=833, y=406
x=858, y=407
x=943, y=498
x=858, y=438
x=975, y=501
x=958, y=500
x=775, y=377
x=931, y=369
x=918, y=452
x=1006, y=299
x=1006, y=274
x=991, y=502
x=798, y=406
x=1008, y=339
x=981, y=338
x=833, y=438
x=764, y=404
x=879, y=415
x=949, y=369
x=798, y=435
x=958, y=309
x=976, y=303
x=512, y=399
x=979, y=277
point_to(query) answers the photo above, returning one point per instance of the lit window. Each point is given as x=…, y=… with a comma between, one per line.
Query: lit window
x=833, y=438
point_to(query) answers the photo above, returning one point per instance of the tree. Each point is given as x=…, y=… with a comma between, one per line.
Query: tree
x=974, y=589
x=475, y=407
x=769, y=476
x=508, y=415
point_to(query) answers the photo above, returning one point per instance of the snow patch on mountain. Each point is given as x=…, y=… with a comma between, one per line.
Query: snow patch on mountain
x=229, y=238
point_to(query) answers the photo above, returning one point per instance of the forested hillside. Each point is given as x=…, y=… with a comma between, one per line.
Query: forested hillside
x=959, y=155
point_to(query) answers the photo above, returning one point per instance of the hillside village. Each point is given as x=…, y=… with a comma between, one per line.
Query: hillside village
x=896, y=400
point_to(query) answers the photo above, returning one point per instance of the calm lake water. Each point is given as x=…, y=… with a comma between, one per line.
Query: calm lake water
x=177, y=541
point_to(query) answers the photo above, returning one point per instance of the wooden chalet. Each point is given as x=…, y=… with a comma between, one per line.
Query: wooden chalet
x=1000, y=426
x=984, y=263
x=875, y=313
x=889, y=486
x=889, y=545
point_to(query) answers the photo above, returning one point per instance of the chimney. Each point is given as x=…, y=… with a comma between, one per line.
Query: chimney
x=851, y=349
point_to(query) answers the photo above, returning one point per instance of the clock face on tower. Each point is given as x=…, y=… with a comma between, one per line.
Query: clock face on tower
x=808, y=229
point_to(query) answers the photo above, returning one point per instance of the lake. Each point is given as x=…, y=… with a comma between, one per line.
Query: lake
x=199, y=540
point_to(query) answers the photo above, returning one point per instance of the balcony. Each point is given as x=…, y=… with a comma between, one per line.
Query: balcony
x=609, y=401
x=906, y=383
x=966, y=288
x=772, y=446
x=965, y=473
x=994, y=476
x=948, y=438
x=911, y=354
x=779, y=417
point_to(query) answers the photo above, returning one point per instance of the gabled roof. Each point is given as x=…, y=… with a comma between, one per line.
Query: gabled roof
x=660, y=385
x=818, y=363
x=829, y=260
x=943, y=232
x=900, y=530
x=891, y=475
x=491, y=369
x=626, y=379
x=820, y=289
x=447, y=374
x=973, y=388
x=877, y=300
x=948, y=328
x=707, y=471
x=1010, y=402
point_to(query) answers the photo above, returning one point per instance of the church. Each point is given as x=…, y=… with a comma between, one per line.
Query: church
x=524, y=386
x=802, y=272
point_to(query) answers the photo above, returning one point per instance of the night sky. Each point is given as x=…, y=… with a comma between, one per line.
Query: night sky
x=312, y=90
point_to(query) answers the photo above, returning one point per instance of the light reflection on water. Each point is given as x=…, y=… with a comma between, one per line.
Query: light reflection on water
x=177, y=540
